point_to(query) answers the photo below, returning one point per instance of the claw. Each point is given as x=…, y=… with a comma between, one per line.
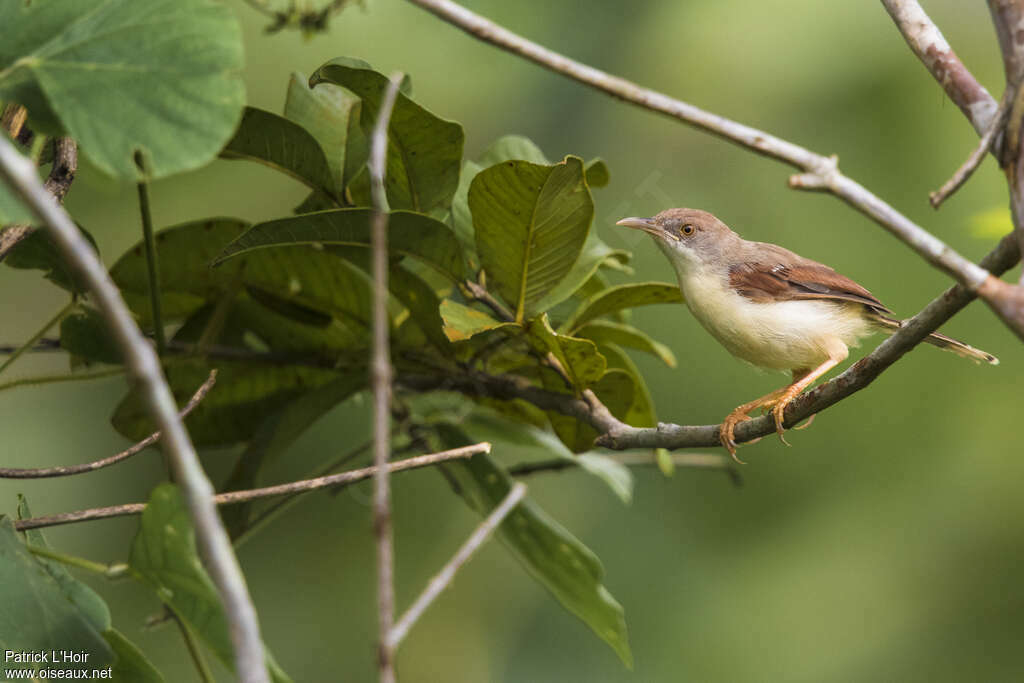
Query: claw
x=726, y=434
x=778, y=412
x=806, y=423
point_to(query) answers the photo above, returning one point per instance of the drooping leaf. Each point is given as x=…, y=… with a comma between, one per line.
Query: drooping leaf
x=37, y=614
x=277, y=433
x=424, y=151
x=462, y=322
x=620, y=297
x=283, y=145
x=530, y=222
x=131, y=664
x=162, y=77
x=578, y=357
x=244, y=396
x=552, y=555
x=626, y=335
x=330, y=115
x=594, y=253
x=165, y=558
x=84, y=334
x=409, y=234
x=37, y=251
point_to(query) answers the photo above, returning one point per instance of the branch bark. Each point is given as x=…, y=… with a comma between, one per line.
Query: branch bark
x=381, y=376
x=233, y=497
x=20, y=174
x=69, y=470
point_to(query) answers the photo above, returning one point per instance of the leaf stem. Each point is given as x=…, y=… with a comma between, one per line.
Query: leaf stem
x=37, y=336
x=152, y=267
x=107, y=570
x=53, y=379
x=205, y=674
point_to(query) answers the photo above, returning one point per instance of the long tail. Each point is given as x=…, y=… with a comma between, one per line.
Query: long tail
x=942, y=341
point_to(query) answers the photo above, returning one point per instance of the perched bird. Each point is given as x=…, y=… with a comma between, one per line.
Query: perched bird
x=771, y=307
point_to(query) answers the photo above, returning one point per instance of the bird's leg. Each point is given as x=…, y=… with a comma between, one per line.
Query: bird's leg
x=800, y=384
x=741, y=414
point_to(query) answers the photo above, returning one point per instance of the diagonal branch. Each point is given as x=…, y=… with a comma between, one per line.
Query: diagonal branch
x=444, y=577
x=233, y=497
x=140, y=360
x=930, y=46
x=818, y=172
x=65, y=471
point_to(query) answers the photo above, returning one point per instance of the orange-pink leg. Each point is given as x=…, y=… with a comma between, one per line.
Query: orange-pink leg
x=798, y=387
x=742, y=414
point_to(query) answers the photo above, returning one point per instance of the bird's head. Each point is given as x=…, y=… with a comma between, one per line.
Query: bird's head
x=689, y=237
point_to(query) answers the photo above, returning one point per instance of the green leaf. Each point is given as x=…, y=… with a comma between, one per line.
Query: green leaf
x=11, y=208
x=164, y=555
x=90, y=605
x=37, y=251
x=331, y=116
x=616, y=389
x=277, y=433
x=244, y=396
x=284, y=146
x=626, y=335
x=424, y=151
x=579, y=357
x=638, y=409
x=530, y=224
x=37, y=614
x=552, y=555
x=422, y=302
x=510, y=147
x=597, y=173
x=462, y=322
x=84, y=334
x=162, y=77
x=617, y=298
x=409, y=234
x=594, y=254
x=131, y=666
x=461, y=217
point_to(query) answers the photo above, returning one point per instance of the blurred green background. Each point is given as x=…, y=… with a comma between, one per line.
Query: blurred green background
x=886, y=544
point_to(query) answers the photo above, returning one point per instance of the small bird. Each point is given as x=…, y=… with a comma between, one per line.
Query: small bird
x=771, y=307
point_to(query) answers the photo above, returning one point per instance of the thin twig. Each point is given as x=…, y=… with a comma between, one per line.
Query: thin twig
x=695, y=460
x=818, y=172
x=967, y=169
x=931, y=47
x=233, y=497
x=194, y=651
x=31, y=341
x=107, y=570
x=55, y=379
x=152, y=265
x=144, y=367
x=444, y=577
x=44, y=472
x=381, y=374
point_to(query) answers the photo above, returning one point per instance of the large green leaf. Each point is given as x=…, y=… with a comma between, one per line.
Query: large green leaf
x=131, y=666
x=37, y=614
x=162, y=77
x=284, y=146
x=244, y=396
x=462, y=322
x=626, y=335
x=164, y=556
x=510, y=147
x=409, y=234
x=616, y=391
x=424, y=151
x=579, y=357
x=594, y=253
x=639, y=410
x=37, y=251
x=620, y=297
x=84, y=334
x=331, y=115
x=530, y=222
x=552, y=555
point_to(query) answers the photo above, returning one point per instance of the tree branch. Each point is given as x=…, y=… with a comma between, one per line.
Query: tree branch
x=233, y=497
x=645, y=459
x=65, y=471
x=381, y=377
x=930, y=46
x=444, y=577
x=818, y=172
x=20, y=174
x=62, y=173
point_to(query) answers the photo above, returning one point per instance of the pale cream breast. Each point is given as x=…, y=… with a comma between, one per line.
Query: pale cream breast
x=784, y=335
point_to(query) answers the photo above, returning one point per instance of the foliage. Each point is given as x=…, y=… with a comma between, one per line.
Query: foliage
x=496, y=270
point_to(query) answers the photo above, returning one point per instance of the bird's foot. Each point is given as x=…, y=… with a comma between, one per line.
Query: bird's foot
x=806, y=423
x=728, y=429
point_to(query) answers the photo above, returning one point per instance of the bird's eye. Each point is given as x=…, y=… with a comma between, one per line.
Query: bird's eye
x=687, y=229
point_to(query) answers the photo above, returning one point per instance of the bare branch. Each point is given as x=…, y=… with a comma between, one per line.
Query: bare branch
x=643, y=459
x=44, y=472
x=20, y=174
x=381, y=376
x=930, y=46
x=818, y=172
x=233, y=497
x=1008, y=18
x=967, y=169
x=444, y=577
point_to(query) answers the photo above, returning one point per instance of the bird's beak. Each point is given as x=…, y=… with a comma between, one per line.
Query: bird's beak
x=646, y=224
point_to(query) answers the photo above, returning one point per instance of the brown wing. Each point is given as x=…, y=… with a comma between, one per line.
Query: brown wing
x=805, y=279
